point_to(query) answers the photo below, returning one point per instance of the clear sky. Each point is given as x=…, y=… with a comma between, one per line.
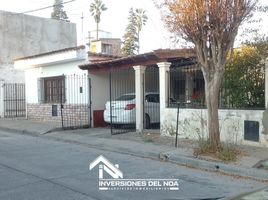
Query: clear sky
x=114, y=20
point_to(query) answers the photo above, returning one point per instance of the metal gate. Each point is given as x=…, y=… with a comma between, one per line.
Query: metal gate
x=14, y=100
x=76, y=102
x=151, y=108
x=120, y=110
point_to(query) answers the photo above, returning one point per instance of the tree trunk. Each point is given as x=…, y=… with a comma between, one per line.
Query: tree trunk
x=212, y=89
x=97, y=38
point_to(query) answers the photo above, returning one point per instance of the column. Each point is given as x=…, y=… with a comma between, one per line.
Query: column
x=266, y=83
x=163, y=87
x=139, y=90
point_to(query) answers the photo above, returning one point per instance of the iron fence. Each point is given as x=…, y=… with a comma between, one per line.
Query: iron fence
x=186, y=84
x=14, y=100
x=120, y=111
x=76, y=102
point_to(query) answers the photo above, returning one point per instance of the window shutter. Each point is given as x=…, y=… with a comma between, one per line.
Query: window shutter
x=41, y=90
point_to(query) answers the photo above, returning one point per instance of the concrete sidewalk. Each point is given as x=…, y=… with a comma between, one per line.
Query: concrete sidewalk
x=139, y=145
x=24, y=126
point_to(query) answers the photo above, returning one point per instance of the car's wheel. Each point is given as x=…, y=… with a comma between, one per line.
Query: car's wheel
x=147, y=123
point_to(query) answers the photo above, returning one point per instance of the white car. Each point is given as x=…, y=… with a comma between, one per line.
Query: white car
x=124, y=110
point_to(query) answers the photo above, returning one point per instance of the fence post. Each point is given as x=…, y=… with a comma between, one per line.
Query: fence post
x=266, y=83
x=2, y=99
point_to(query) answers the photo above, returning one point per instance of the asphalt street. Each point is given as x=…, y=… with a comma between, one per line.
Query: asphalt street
x=33, y=168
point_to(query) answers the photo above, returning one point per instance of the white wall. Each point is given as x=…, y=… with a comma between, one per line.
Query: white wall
x=33, y=74
x=192, y=124
x=100, y=93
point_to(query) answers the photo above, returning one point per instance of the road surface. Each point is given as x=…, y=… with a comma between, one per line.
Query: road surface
x=37, y=168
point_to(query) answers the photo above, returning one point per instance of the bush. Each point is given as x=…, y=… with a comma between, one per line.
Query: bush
x=225, y=152
x=228, y=153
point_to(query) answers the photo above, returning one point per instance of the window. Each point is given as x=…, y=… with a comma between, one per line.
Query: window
x=54, y=89
x=106, y=48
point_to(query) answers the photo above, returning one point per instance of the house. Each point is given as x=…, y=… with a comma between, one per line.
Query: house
x=57, y=90
x=52, y=93
x=178, y=78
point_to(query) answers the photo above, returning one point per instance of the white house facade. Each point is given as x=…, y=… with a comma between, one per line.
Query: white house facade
x=57, y=90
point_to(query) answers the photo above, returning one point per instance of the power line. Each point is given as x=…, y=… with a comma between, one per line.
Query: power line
x=38, y=9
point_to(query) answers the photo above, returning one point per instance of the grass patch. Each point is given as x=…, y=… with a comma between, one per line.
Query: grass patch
x=148, y=139
x=226, y=152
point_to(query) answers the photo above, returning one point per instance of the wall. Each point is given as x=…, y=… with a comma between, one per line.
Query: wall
x=192, y=124
x=32, y=75
x=43, y=111
x=99, y=89
x=24, y=35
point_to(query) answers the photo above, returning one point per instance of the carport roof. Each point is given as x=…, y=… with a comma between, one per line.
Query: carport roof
x=146, y=59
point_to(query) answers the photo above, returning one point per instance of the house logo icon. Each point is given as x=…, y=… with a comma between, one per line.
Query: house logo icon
x=107, y=166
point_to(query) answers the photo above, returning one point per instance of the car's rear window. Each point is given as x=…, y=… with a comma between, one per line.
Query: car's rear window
x=126, y=97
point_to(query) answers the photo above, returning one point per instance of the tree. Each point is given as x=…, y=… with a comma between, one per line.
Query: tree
x=244, y=84
x=96, y=9
x=211, y=25
x=136, y=20
x=131, y=36
x=58, y=12
x=141, y=19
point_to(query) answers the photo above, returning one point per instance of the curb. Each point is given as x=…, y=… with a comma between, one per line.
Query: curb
x=27, y=132
x=252, y=173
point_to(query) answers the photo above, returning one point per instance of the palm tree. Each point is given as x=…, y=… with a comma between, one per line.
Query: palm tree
x=141, y=19
x=96, y=8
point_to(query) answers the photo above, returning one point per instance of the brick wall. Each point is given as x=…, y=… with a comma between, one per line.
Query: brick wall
x=73, y=115
x=42, y=112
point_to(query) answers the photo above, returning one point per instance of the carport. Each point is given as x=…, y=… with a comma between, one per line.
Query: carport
x=135, y=68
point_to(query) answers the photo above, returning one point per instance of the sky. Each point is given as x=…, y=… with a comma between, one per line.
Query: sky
x=114, y=19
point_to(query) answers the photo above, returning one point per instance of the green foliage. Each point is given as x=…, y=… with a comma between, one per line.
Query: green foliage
x=58, y=12
x=244, y=82
x=96, y=8
x=136, y=20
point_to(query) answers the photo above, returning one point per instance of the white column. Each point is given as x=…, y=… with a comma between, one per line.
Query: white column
x=266, y=83
x=2, y=98
x=163, y=87
x=139, y=90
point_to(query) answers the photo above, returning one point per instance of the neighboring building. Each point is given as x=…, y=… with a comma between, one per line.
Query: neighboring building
x=105, y=44
x=57, y=90
x=23, y=35
x=109, y=46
